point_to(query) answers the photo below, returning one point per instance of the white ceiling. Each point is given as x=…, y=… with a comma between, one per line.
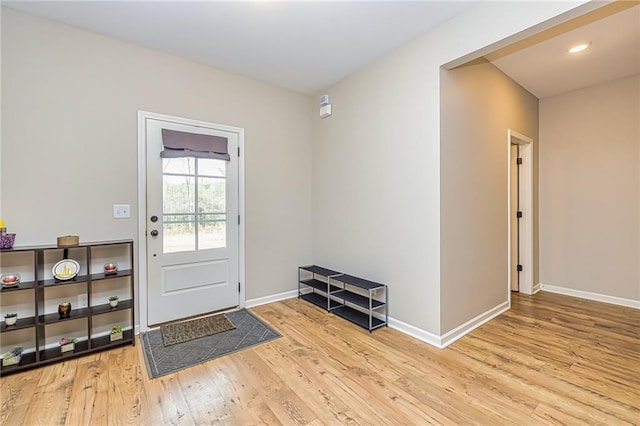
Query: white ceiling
x=546, y=69
x=301, y=45
x=308, y=45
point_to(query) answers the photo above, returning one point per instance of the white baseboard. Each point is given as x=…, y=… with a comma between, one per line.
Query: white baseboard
x=416, y=332
x=270, y=299
x=448, y=338
x=463, y=329
x=630, y=303
x=537, y=288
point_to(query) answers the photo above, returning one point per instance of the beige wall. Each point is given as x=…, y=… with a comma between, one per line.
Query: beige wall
x=478, y=104
x=376, y=163
x=589, y=189
x=69, y=141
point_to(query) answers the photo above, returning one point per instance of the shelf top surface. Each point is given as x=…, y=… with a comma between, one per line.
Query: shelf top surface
x=53, y=246
x=359, y=282
x=345, y=278
x=320, y=270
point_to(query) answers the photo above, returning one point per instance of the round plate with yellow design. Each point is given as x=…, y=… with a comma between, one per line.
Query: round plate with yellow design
x=66, y=269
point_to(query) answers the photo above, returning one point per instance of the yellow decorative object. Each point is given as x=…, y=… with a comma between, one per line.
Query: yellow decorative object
x=66, y=269
x=1, y=223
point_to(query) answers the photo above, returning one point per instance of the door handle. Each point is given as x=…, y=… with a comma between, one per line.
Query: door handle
x=154, y=219
x=154, y=233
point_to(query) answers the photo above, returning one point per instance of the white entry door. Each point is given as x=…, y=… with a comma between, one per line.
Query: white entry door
x=192, y=228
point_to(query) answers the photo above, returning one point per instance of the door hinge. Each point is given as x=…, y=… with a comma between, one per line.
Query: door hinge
x=518, y=215
x=238, y=219
x=238, y=287
x=238, y=151
x=519, y=267
x=519, y=161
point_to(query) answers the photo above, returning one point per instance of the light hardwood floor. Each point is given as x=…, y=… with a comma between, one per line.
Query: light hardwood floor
x=550, y=360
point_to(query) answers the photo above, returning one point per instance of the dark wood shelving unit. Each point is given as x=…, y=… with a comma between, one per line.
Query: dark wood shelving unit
x=342, y=294
x=44, y=316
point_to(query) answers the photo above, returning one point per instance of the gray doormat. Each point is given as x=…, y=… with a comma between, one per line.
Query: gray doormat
x=162, y=359
x=184, y=331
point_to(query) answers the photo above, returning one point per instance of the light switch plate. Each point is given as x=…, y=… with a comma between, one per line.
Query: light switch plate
x=121, y=211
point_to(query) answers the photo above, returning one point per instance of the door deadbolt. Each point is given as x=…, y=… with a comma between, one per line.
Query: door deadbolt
x=154, y=219
x=154, y=233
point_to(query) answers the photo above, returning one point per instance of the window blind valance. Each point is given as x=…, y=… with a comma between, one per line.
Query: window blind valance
x=182, y=144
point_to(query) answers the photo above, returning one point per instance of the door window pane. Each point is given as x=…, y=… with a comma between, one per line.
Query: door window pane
x=183, y=166
x=179, y=194
x=179, y=233
x=212, y=231
x=211, y=167
x=211, y=195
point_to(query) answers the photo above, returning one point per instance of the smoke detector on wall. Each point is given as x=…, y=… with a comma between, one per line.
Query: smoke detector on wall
x=325, y=106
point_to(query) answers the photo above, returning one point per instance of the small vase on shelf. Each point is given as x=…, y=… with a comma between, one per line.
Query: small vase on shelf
x=10, y=319
x=64, y=310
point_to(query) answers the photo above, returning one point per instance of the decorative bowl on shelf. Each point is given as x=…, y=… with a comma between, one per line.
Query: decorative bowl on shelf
x=7, y=240
x=110, y=268
x=10, y=280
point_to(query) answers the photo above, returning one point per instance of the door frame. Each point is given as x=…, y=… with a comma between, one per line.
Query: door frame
x=525, y=239
x=142, y=205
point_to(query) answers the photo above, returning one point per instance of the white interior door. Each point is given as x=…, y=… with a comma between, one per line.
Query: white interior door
x=192, y=228
x=515, y=240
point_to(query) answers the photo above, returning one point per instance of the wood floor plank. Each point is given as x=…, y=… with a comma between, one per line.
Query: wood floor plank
x=201, y=395
x=126, y=386
x=243, y=400
x=551, y=359
x=288, y=407
x=90, y=394
x=51, y=400
x=166, y=402
x=15, y=396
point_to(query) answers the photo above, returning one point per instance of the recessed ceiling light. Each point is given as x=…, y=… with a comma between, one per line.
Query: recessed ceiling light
x=579, y=47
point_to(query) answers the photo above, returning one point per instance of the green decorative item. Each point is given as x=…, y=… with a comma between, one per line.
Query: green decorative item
x=113, y=301
x=116, y=333
x=10, y=319
x=13, y=357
